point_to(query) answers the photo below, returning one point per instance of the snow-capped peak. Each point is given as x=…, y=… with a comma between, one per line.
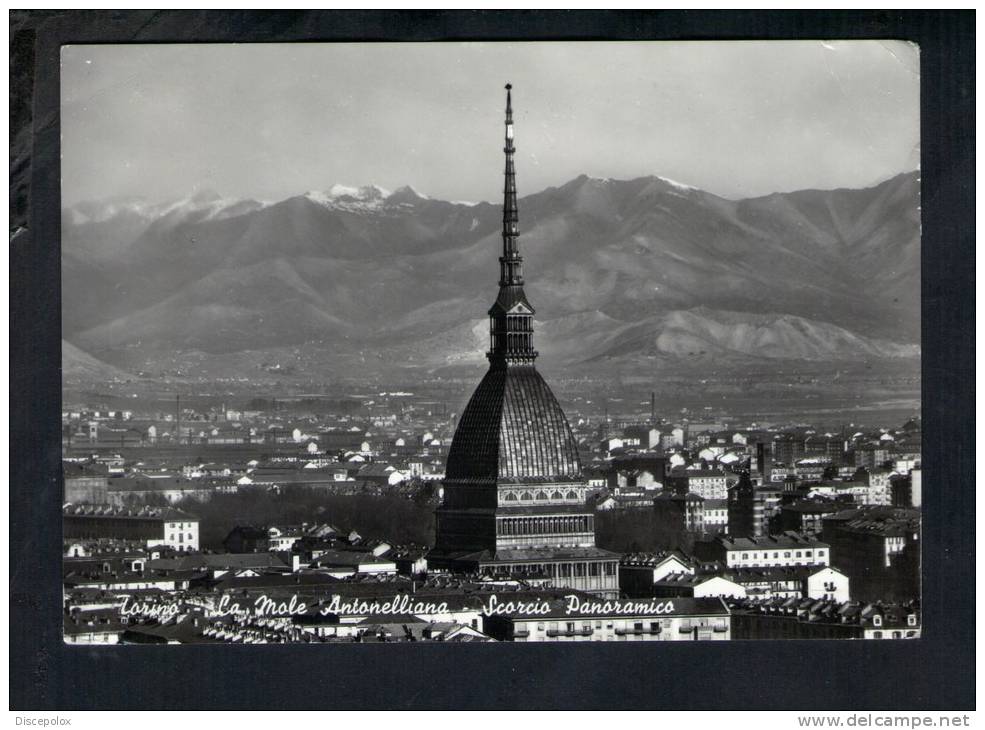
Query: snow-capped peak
x=342, y=191
x=97, y=212
x=406, y=193
x=209, y=205
x=679, y=185
x=347, y=197
x=202, y=204
x=420, y=195
x=366, y=192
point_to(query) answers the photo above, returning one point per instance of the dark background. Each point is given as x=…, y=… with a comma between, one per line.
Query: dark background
x=936, y=672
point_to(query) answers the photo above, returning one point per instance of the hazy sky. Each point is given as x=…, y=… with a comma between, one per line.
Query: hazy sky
x=270, y=121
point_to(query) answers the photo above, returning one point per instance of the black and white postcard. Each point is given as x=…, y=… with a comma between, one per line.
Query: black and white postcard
x=344, y=340
x=491, y=342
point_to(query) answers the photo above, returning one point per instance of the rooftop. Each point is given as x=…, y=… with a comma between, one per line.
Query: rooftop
x=786, y=540
x=141, y=513
x=653, y=559
x=513, y=428
x=829, y=611
x=887, y=521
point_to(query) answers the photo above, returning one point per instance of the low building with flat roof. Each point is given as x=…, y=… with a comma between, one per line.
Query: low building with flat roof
x=153, y=526
x=788, y=549
x=808, y=618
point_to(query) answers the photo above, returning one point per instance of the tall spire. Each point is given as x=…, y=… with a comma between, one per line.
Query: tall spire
x=510, y=264
x=511, y=317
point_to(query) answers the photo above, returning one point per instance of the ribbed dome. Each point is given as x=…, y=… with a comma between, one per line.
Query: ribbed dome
x=513, y=428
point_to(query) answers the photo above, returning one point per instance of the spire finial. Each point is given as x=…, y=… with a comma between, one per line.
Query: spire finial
x=511, y=274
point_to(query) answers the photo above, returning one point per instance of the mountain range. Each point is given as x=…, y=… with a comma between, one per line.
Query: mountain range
x=621, y=272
